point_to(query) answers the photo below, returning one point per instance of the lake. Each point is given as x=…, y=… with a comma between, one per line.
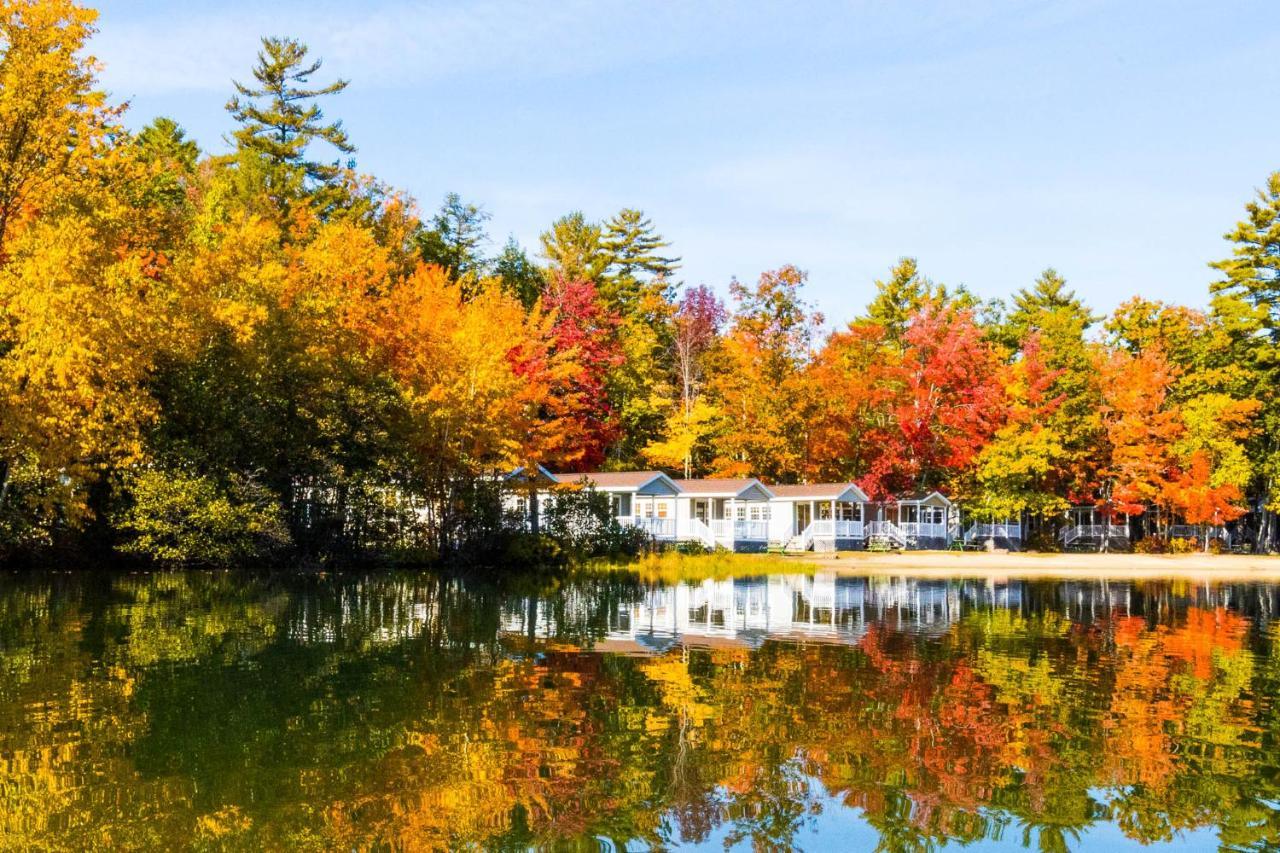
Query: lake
x=409, y=711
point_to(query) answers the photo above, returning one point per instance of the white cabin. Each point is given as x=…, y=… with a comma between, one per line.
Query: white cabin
x=726, y=513
x=644, y=499
x=927, y=520
x=738, y=514
x=818, y=516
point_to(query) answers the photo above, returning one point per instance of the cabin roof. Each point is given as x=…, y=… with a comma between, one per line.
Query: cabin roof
x=620, y=481
x=539, y=472
x=820, y=491
x=722, y=487
x=922, y=497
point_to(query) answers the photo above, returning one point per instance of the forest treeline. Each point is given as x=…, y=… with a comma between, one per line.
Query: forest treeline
x=214, y=356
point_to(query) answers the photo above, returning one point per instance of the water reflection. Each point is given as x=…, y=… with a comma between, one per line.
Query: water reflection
x=223, y=711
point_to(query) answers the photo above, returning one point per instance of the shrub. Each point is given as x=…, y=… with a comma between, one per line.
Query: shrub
x=176, y=517
x=582, y=523
x=1151, y=544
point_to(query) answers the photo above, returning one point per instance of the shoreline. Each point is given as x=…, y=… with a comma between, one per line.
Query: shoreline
x=951, y=564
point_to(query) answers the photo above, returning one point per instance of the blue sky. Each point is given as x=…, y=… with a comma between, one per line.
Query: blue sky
x=1116, y=141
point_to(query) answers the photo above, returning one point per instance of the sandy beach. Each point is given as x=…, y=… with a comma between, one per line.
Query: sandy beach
x=1073, y=565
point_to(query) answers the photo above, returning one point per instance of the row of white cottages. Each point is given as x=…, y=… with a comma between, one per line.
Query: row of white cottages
x=746, y=515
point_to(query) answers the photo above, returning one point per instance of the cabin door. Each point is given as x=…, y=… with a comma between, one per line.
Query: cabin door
x=700, y=511
x=804, y=515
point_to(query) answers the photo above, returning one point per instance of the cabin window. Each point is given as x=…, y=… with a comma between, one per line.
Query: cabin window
x=622, y=505
x=824, y=511
x=740, y=513
x=844, y=512
x=664, y=509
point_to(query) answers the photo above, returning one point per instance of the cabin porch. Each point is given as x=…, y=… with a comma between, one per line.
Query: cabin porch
x=1092, y=528
x=920, y=522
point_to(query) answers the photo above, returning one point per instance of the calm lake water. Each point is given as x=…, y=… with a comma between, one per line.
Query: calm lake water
x=226, y=711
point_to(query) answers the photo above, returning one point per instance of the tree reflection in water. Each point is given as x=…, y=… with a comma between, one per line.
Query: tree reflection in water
x=220, y=710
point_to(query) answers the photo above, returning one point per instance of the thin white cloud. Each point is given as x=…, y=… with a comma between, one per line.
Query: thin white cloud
x=416, y=43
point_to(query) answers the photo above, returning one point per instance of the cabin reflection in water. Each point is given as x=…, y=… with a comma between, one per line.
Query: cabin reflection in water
x=745, y=612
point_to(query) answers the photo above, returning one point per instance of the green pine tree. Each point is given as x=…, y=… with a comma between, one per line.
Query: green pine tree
x=1246, y=300
x=519, y=276
x=572, y=249
x=456, y=238
x=164, y=141
x=279, y=119
x=1061, y=321
x=900, y=296
x=637, y=266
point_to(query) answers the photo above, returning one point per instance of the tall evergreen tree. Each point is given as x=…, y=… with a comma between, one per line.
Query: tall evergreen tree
x=279, y=118
x=573, y=251
x=899, y=297
x=1059, y=321
x=164, y=140
x=518, y=275
x=637, y=266
x=1246, y=300
x=1048, y=296
x=456, y=238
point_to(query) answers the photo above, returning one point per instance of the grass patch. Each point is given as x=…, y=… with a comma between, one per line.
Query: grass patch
x=672, y=566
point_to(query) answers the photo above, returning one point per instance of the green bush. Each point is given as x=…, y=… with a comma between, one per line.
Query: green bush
x=176, y=517
x=582, y=523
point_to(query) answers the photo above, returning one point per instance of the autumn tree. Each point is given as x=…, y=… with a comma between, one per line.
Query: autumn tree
x=1139, y=427
x=696, y=329
x=759, y=386
x=51, y=114
x=86, y=300
x=949, y=405
x=1014, y=471
x=584, y=330
x=856, y=377
x=1061, y=321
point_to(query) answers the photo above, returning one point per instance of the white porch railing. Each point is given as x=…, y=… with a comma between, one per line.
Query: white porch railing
x=825, y=528
x=1094, y=531
x=658, y=528
x=993, y=531
x=924, y=529
x=737, y=530
x=849, y=530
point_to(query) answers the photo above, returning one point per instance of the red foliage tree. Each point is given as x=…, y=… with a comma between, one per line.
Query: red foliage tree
x=587, y=332
x=949, y=402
